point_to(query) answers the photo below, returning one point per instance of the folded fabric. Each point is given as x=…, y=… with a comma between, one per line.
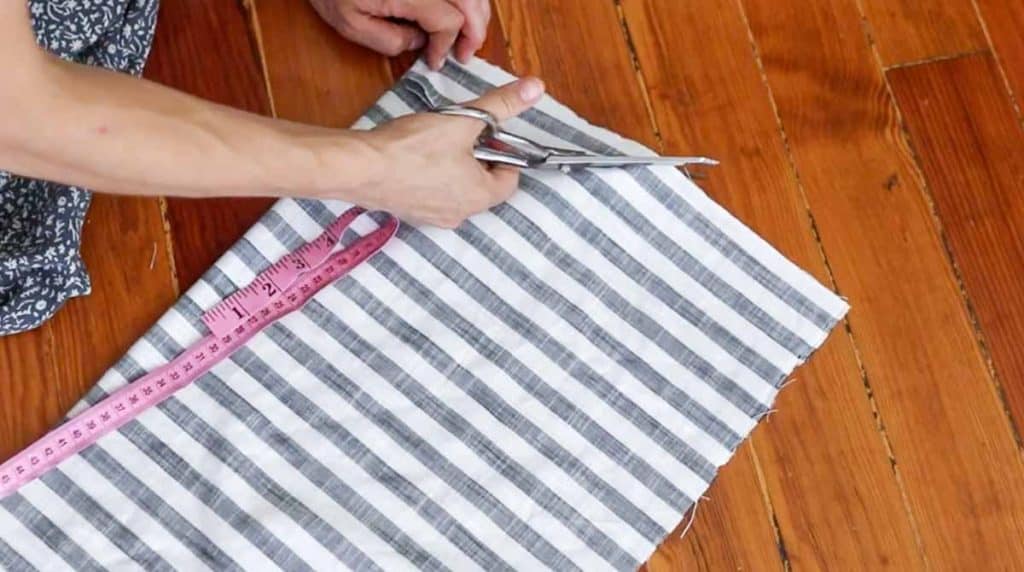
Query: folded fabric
x=551, y=385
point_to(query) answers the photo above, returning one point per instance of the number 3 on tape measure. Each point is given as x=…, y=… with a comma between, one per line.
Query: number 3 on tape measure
x=277, y=291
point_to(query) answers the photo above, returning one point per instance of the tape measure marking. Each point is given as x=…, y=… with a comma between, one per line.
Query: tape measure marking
x=277, y=291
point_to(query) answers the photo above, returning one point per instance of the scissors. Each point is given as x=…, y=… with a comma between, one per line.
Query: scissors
x=496, y=145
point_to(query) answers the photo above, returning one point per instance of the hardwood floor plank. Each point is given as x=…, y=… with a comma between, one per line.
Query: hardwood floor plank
x=125, y=250
x=914, y=30
x=29, y=391
x=602, y=86
x=314, y=75
x=718, y=104
x=971, y=149
x=206, y=49
x=729, y=531
x=552, y=40
x=1004, y=20
x=952, y=443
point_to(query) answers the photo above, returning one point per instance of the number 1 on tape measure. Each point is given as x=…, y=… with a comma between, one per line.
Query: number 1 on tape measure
x=279, y=290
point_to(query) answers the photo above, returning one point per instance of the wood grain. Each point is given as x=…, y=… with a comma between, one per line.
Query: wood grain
x=545, y=38
x=29, y=395
x=971, y=149
x=206, y=49
x=1004, y=21
x=729, y=531
x=908, y=31
x=718, y=104
x=125, y=250
x=314, y=75
x=952, y=443
x=543, y=45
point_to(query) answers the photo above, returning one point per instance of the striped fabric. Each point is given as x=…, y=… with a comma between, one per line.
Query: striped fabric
x=548, y=387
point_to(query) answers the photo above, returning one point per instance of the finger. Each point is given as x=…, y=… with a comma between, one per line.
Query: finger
x=438, y=47
x=464, y=49
x=439, y=19
x=380, y=35
x=505, y=181
x=510, y=99
x=474, y=31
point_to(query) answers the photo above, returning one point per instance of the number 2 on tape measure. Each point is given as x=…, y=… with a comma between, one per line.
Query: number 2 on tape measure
x=277, y=291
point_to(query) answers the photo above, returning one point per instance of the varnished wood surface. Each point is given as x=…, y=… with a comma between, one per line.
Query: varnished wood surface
x=1003, y=24
x=973, y=164
x=879, y=144
x=824, y=511
x=912, y=31
x=950, y=439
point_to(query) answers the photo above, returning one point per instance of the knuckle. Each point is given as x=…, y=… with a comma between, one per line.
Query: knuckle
x=455, y=20
x=507, y=103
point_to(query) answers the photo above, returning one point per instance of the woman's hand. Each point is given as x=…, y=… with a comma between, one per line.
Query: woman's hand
x=75, y=124
x=395, y=26
x=426, y=172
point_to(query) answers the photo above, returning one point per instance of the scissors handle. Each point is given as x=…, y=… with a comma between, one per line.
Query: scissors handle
x=493, y=156
x=490, y=121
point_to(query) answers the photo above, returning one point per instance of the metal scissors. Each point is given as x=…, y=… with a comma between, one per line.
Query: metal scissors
x=496, y=145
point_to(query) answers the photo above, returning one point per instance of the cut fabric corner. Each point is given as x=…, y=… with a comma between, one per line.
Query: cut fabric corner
x=552, y=385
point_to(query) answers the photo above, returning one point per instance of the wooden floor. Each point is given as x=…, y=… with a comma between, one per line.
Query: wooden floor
x=876, y=142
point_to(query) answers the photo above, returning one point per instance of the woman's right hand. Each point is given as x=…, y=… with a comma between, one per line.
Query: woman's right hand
x=424, y=168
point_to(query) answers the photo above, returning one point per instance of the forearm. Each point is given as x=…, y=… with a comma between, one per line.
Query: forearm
x=113, y=133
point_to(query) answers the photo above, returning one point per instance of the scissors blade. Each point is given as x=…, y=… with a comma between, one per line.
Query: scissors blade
x=580, y=161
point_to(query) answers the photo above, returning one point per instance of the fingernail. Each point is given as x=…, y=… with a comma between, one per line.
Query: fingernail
x=530, y=89
x=417, y=42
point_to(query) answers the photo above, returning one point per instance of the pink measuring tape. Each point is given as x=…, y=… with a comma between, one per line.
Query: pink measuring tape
x=277, y=291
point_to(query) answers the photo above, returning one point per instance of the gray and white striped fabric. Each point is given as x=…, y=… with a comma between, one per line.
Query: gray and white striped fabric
x=549, y=386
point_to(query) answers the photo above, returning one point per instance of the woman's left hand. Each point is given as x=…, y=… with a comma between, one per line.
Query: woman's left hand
x=395, y=26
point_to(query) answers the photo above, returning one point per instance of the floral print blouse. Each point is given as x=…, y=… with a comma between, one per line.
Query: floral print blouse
x=41, y=222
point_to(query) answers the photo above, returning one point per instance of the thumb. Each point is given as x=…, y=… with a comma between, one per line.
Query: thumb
x=511, y=99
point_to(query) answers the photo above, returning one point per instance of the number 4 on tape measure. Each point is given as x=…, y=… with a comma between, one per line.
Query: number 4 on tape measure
x=279, y=290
